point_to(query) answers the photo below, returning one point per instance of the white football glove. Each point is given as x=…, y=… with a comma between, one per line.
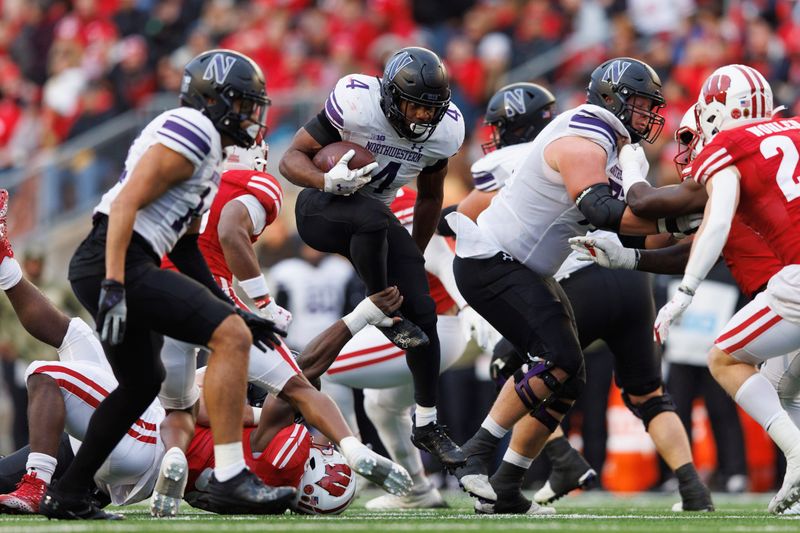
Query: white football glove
x=475, y=326
x=634, y=165
x=268, y=309
x=671, y=312
x=342, y=181
x=605, y=252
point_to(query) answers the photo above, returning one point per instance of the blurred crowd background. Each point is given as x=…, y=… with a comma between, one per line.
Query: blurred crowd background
x=79, y=78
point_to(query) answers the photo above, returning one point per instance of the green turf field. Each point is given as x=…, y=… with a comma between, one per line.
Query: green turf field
x=581, y=513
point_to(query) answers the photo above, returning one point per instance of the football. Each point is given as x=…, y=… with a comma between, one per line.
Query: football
x=329, y=155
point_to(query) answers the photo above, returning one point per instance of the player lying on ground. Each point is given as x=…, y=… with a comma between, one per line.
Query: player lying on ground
x=46, y=322
x=369, y=362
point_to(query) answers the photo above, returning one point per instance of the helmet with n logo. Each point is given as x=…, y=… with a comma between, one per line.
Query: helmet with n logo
x=732, y=95
x=229, y=88
x=517, y=113
x=614, y=86
x=328, y=485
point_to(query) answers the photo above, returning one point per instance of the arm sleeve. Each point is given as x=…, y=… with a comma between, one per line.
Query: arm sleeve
x=713, y=234
x=322, y=130
x=258, y=215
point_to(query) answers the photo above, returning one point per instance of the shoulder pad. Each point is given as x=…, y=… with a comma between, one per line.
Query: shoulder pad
x=188, y=132
x=596, y=124
x=351, y=102
x=448, y=137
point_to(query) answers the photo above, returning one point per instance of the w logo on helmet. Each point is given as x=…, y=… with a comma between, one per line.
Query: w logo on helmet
x=337, y=478
x=716, y=88
x=514, y=102
x=615, y=71
x=397, y=64
x=219, y=67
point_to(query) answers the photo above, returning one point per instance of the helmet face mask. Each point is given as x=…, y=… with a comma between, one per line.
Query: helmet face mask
x=615, y=86
x=253, y=158
x=517, y=113
x=229, y=88
x=414, y=76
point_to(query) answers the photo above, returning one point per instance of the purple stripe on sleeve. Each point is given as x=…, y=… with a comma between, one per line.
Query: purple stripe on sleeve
x=193, y=126
x=483, y=179
x=595, y=125
x=336, y=104
x=193, y=150
x=334, y=115
x=587, y=129
x=189, y=135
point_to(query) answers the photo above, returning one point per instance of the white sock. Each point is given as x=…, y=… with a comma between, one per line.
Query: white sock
x=42, y=465
x=759, y=399
x=424, y=415
x=228, y=460
x=10, y=273
x=516, y=459
x=493, y=427
x=352, y=449
x=785, y=434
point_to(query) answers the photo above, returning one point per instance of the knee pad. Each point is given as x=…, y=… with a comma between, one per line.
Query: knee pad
x=506, y=360
x=651, y=408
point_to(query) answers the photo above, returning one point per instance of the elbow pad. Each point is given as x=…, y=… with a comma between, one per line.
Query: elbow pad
x=601, y=209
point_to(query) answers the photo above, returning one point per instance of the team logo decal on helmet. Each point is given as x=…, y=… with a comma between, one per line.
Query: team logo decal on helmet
x=397, y=63
x=716, y=88
x=328, y=485
x=517, y=113
x=615, y=71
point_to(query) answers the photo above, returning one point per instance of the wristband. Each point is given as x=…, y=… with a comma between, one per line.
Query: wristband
x=255, y=287
x=365, y=313
x=256, y=414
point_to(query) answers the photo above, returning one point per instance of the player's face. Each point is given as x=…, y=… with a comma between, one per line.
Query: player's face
x=642, y=107
x=417, y=113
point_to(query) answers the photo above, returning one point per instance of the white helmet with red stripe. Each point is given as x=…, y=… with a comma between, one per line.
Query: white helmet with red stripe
x=689, y=141
x=732, y=95
x=328, y=485
x=253, y=158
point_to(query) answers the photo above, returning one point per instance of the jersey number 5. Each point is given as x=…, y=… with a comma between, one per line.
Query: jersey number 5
x=786, y=176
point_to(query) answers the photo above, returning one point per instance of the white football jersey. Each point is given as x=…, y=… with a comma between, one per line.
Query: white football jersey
x=354, y=108
x=316, y=294
x=533, y=216
x=190, y=133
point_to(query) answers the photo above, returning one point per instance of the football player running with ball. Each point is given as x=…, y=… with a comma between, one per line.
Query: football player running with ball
x=406, y=120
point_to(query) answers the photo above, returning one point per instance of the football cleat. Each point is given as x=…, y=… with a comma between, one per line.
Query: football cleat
x=5, y=245
x=511, y=504
x=245, y=493
x=472, y=477
x=171, y=482
x=26, y=497
x=422, y=496
x=433, y=438
x=405, y=334
x=392, y=477
x=570, y=472
x=60, y=506
x=695, y=497
x=790, y=489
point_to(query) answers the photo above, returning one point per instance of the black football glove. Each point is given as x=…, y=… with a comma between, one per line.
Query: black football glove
x=112, y=312
x=265, y=332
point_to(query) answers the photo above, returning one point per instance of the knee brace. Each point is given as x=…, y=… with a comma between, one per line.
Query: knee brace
x=538, y=407
x=505, y=361
x=649, y=409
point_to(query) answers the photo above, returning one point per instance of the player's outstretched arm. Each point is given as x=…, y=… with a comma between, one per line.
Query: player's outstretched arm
x=430, y=195
x=651, y=202
x=296, y=164
x=322, y=351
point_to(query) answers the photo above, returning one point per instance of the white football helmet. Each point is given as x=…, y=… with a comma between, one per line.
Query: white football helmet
x=328, y=485
x=689, y=141
x=732, y=95
x=253, y=158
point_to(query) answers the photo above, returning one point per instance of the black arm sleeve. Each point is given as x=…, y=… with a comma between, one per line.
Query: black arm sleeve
x=633, y=241
x=443, y=228
x=187, y=257
x=321, y=129
x=601, y=209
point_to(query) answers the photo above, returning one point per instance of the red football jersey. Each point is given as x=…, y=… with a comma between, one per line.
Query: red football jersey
x=280, y=464
x=236, y=183
x=766, y=155
x=748, y=257
x=403, y=208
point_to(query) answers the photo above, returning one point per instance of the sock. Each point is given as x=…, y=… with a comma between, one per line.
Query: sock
x=510, y=474
x=228, y=460
x=557, y=448
x=493, y=427
x=10, y=273
x=785, y=434
x=759, y=399
x=686, y=474
x=351, y=448
x=424, y=416
x=42, y=465
x=481, y=442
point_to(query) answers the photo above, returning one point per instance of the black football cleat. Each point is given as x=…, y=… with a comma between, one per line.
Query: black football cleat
x=245, y=493
x=570, y=471
x=695, y=496
x=513, y=502
x=63, y=507
x=405, y=334
x=434, y=439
